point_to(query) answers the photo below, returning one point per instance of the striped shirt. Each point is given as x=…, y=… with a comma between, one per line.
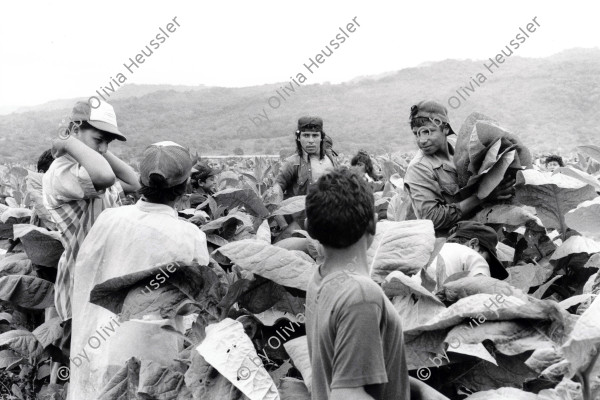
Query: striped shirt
x=74, y=204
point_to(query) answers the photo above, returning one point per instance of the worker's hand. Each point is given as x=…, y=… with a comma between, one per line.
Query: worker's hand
x=504, y=191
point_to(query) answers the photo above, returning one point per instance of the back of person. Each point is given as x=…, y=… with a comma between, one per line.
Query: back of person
x=355, y=339
x=354, y=334
x=124, y=241
x=453, y=259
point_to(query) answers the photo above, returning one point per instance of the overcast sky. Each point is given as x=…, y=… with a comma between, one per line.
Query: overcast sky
x=64, y=49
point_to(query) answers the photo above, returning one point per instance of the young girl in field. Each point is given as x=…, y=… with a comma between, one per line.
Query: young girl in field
x=83, y=180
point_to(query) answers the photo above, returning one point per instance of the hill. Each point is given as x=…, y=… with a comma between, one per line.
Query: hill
x=553, y=103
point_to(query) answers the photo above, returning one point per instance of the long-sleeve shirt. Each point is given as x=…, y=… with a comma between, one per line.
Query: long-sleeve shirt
x=74, y=204
x=432, y=184
x=296, y=174
x=125, y=241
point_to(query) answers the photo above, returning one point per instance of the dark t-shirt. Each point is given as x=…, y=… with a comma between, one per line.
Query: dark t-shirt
x=354, y=338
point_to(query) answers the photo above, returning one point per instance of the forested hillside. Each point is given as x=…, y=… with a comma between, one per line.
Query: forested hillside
x=553, y=103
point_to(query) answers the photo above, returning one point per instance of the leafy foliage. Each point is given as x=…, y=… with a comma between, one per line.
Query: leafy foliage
x=515, y=336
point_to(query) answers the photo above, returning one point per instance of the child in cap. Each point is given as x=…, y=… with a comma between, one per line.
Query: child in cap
x=203, y=183
x=125, y=241
x=83, y=180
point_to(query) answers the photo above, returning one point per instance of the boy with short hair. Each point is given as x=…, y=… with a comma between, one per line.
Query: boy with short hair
x=355, y=340
x=81, y=183
x=553, y=162
x=354, y=333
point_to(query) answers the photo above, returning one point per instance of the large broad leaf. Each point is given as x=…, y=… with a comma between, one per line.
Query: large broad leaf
x=470, y=285
x=22, y=342
x=565, y=390
x=298, y=351
x=574, y=245
x=15, y=214
x=398, y=206
x=6, y=228
x=142, y=303
x=227, y=226
x=510, y=371
x=555, y=372
x=580, y=175
x=585, y=219
x=42, y=246
x=505, y=253
x=124, y=384
x=206, y=383
x=525, y=276
x=9, y=358
x=282, y=266
x=160, y=382
x=205, y=285
x=246, y=198
x=293, y=389
x=229, y=350
x=495, y=174
x=260, y=295
x=15, y=264
x=480, y=142
x=509, y=337
x=415, y=304
x=49, y=332
x=263, y=232
x=400, y=246
x=34, y=191
x=583, y=345
x=544, y=357
x=290, y=206
x=488, y=172
x=590, y=150
x=486, y=307
x=506, y=214
x=552, y=195
x=27, y=291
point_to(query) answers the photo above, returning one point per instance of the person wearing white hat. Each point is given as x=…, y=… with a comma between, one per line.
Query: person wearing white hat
x=84, y=179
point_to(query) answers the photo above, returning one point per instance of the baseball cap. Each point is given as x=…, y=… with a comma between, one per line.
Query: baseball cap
x=310, y=124
x=487, y=239
x=102, y=117
x=431, y=109
x=167, y=159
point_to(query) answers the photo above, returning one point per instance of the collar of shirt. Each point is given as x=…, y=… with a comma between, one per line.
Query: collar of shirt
x=437, y=161
x=146, y=206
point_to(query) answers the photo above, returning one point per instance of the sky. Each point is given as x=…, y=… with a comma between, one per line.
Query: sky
x=65, y=49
